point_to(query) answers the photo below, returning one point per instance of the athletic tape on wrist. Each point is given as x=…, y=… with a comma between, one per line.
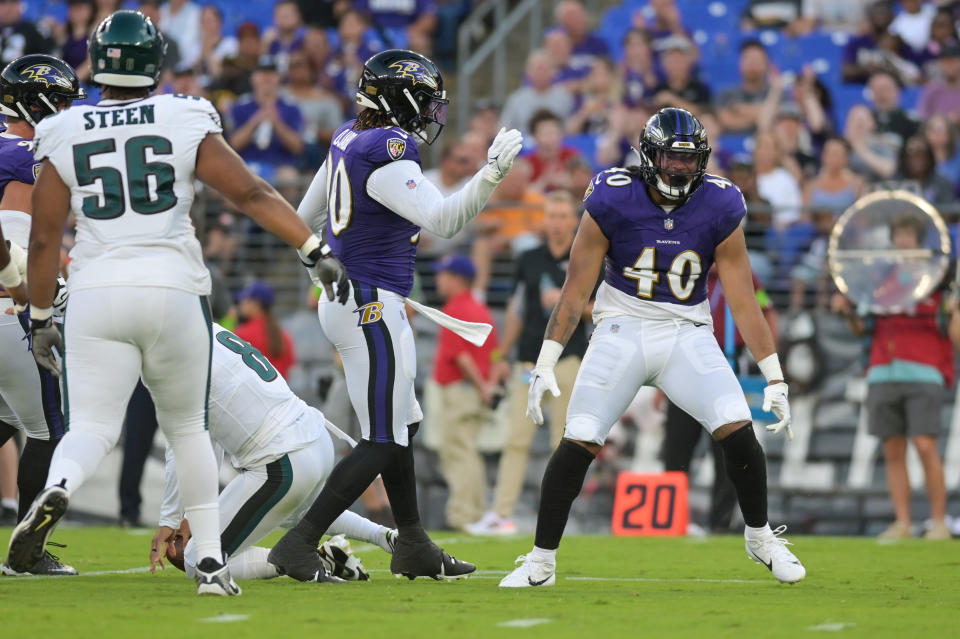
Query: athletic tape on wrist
x=40, y=314
x=770, y=367
x=549, y=354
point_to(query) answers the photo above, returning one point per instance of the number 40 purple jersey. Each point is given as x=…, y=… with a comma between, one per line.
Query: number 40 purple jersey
x=657, y=255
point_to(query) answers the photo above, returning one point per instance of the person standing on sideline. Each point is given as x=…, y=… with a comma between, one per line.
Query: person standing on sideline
x=125, y=168
x=467, y=382
x=910, y=366
x=538, y=277
x=259, y=326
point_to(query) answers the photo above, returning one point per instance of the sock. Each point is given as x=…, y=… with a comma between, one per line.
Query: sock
x=542, y=555
x=344, y=486
x=6, y=432
x=252, y=564
x=32, y=472
x=400, y=481
x=561, y=484
x=198, y=478
x=747, y=469
x=356, y=527
x=754, y=533
x=8, y=502
x=77, y=457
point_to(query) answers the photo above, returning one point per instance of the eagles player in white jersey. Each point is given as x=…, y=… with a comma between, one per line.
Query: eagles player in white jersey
x=126, y=168
x=283, y=453
x=32, y=88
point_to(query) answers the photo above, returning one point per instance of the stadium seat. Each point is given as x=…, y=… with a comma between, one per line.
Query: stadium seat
x=586, y=144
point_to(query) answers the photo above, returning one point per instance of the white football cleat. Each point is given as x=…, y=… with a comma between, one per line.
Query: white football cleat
x=213, y=578
x=530, y=573
x=771, y=550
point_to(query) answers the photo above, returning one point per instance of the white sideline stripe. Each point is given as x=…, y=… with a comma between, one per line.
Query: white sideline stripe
x=495, y=574
x=95, y=573
x=224, y=618
x=832, y=626
x=523, y=623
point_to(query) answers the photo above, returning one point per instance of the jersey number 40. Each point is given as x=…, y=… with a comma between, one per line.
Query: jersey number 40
x=645, y=273
x=141, y=176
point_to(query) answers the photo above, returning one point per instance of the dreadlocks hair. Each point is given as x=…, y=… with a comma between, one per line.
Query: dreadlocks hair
x=371, y=119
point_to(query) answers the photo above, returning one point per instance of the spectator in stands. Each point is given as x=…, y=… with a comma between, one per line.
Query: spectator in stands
x=912, y=24
x=549, y=156
x=943, y=33
x=758, y=223
x=266, y=129
x=542, y=93
x=236, y=71
x=872, y=155
x=221, y=242
x=601, y=94
x=185, y=82
x=214, y=45
x=570, y=16
x=484, y=121
x=816, y=103
x=322, y=111
x=942, y=138
x=680, y=87
x=663, y=24
x=877, y=50
x=557, y=44
x=19, y=37
x=636, y=69
x=259, y=326
x=413, y=21
x=910, y=365
x=615, y=148
x=538, y=275
x=476, y=144
x=917, y=164
x=775, y=183
x=73, y=38
x=809, y=277
x=103, y=9
x=456, y=167
x=835, y=187
x=512, y=221
x=943, y=97
x=322, y=14
x=286, y=34
x=581, y=173
x=353, y=49
x=891, y=118
x=180, y=20
x=467, y=382
x=740, y=108
x=794, y=141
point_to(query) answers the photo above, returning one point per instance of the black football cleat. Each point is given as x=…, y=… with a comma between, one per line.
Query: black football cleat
x=426, y=559
x=213, y=578
x=49, y=565
x=324, y=577
x=296, y=558
x=30, y=536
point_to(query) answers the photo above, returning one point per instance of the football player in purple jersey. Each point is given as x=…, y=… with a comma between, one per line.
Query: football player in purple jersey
x=371, y=200
x=658, y=227
x=31, y=88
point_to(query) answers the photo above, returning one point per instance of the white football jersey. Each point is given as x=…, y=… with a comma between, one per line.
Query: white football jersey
x=130, y=166
x=250, y=404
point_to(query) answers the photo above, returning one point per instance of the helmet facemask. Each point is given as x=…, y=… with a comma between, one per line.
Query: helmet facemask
x=674, y=172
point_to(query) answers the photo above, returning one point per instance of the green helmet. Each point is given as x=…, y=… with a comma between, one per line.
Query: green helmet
x=127, y=50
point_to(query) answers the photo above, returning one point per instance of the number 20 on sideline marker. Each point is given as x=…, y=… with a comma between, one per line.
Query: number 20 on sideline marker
x=651, y=505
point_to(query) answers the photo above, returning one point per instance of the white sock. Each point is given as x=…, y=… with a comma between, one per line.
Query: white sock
x=78, y=459
x=252, y=564
x=356, y=527
x=543, y=555
x=199, y=485
x=9, y=502
x=756, y=533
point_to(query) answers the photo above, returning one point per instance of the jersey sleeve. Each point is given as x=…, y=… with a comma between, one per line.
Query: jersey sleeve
x=47, y=137
x=199, y=114
x=732, y=208
x=390, y=145
x=22, y=166
x=597, y=202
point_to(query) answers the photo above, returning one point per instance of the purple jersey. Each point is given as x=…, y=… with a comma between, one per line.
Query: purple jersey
x=660, y=256
x=377, y=246
x=16, y=161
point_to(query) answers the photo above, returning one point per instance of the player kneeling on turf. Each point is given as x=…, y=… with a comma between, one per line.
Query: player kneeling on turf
x=283, y=452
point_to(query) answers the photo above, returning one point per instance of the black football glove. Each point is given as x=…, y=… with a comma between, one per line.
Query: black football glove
x=44, y=338
x=325, y=269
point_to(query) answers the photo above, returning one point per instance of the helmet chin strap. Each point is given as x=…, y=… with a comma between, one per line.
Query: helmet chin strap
x=26, y=113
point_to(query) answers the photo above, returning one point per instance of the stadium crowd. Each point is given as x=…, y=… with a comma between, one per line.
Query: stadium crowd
x=809, y=104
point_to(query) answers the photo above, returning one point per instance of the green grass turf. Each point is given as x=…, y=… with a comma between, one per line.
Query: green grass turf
x=642, y=588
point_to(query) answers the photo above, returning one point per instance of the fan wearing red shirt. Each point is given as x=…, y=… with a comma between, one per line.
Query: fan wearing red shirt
x=464, y=375
x=550, y=158
x=260, y=327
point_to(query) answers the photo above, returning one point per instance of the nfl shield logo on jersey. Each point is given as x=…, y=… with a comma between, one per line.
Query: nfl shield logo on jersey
x=396, y=147
x=668, y=224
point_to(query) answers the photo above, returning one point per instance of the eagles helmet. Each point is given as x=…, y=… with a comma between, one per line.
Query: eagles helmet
x=127, y=50
x=37, y=85
x=408, y=88
x=673, y=153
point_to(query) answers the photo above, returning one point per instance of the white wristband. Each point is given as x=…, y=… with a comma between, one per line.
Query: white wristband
x=40, y=314
x=549, y=354
x=309, y=245
x=770, y=367
x=10, y=275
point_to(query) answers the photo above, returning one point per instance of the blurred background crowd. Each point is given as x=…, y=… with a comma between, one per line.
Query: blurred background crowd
x=809, y=104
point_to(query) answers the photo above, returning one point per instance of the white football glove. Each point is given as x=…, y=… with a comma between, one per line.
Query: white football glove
x=501, y=154
x=542, y=380
x=775, y=399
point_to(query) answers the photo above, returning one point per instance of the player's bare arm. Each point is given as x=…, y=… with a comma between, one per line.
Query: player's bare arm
x=11, y=280
x=586, y=258
x=51, y=197
x=733, y=267
x=16, y=197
